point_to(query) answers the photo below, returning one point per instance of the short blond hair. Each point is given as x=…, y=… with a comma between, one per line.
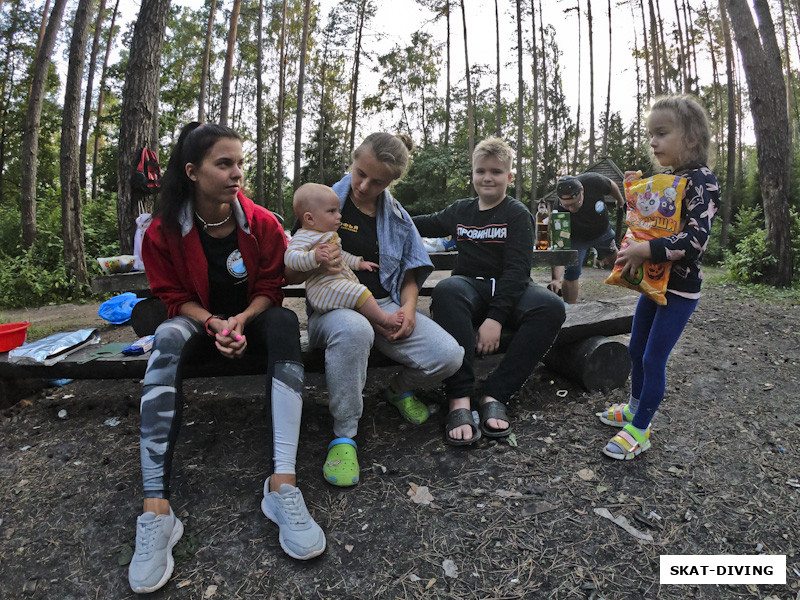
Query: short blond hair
x=496, y=147
x=307, y=197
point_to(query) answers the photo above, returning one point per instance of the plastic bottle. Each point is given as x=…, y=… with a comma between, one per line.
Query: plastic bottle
x=542, y=221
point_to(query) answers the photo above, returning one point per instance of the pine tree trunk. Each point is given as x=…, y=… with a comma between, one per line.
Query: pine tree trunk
x=281, y=113
x=259, y=106
x=100, y=99
x=71, y=205
x=689, y=20
x=788, y=65
x=33, y=118
x=497, y=84
x=715, y=75
x=638, y=125
x=8, y=80
x=646, y=47
x=682, y=57
x=520, y=103
x=763, y=70
x=227, y=74
x=139, y=113
x=201, y=101
x=658, y=89
x=470, y=109
x=43, y=25
x=663, y=58
x=362, y=9
x=592, y=139
x=578, y=111
x=87, y=107
x=608, y=91
x=535, y=141
x=730, y=168
x=301, y=80
x=448, y=91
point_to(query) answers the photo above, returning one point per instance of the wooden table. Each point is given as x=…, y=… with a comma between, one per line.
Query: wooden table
x=442, y=261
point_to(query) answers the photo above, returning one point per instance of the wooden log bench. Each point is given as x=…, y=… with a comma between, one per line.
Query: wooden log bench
x=582, y=351
x=136, y=281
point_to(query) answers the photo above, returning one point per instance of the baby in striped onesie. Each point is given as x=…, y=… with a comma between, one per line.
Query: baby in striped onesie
x=317, y=209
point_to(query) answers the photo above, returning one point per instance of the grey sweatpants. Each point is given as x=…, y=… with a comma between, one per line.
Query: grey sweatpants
x=428, y=355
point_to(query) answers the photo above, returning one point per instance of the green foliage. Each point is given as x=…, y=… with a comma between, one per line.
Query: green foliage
x=26, y=280
x=746, y=222
x=751, y=259
x=714, y=253
x=100, y=229
x=437, y=177
x=38, y=276
x=752, y=256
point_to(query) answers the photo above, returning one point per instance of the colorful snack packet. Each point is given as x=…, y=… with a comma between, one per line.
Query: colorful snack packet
x=654, y=211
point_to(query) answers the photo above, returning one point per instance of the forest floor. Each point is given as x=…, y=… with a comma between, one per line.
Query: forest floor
x=504, y=521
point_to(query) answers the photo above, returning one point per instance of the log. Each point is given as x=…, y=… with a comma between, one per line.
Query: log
x=597, y=363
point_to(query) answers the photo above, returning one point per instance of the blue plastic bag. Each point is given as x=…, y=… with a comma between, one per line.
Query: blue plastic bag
x=117, y=310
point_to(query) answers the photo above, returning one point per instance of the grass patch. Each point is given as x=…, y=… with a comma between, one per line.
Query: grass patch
x=720, y=277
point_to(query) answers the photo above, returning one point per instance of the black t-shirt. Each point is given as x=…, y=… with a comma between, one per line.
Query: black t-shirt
x=495, y=244
x=359, y=235
x=591, y=220
x=227, y=276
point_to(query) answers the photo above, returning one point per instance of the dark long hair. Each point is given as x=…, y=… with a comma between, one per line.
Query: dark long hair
x=194, y=142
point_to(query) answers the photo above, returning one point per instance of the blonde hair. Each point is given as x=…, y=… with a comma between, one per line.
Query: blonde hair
x=496, y=147
x=391, y=150
x=693, y=121
x=307, y=197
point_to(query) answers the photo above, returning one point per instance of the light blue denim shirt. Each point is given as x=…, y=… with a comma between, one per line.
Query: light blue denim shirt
x=399, y=243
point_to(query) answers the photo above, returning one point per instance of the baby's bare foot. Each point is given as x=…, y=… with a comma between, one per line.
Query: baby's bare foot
x=389, y=324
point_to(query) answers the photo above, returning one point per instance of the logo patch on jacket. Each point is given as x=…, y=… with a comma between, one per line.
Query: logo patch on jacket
x=235, y=265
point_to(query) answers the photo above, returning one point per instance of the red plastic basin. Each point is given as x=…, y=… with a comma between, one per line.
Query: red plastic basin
x=12, y=335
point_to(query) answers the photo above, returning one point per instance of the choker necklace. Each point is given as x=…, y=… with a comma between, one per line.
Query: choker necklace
x=206, y=225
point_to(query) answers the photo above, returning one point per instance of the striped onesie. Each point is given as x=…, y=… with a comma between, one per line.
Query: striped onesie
x=326, y=292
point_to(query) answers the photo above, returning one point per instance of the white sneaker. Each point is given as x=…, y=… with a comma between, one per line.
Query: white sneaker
x=300, y=536
x=152, y=562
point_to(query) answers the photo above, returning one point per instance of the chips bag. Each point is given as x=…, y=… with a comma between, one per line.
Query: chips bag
x=654, y=211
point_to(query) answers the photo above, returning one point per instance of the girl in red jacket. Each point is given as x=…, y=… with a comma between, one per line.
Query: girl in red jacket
x=216, y=261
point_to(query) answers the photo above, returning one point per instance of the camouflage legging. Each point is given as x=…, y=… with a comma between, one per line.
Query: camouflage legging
x=276, y=332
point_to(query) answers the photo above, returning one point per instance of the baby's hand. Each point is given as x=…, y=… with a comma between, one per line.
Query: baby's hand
x=366, y=265
x=322, y=253
x=631, y=175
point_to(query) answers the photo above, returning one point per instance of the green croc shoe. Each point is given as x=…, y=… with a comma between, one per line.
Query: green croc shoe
x=411, y=409
x=341, y=466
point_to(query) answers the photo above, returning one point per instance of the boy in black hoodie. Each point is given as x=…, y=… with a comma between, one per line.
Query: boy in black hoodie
x=490, y=289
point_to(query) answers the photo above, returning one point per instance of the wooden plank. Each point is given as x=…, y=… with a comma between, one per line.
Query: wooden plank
x=136, y=281
x=587, y=319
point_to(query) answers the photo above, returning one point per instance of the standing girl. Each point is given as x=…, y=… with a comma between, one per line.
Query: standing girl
x=216, y=261
x=680, y=137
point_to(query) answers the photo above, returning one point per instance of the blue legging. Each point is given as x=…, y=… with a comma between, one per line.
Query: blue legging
x=655, y=332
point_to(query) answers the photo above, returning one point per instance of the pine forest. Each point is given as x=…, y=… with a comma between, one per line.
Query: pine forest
x=86, y=84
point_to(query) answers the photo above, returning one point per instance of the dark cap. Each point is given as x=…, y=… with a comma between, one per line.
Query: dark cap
x=568, y=186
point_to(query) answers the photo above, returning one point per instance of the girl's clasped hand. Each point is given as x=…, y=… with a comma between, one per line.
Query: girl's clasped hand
x=230, y=339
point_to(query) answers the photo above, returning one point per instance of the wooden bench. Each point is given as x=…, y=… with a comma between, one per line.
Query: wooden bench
x=582, y=351
x=442, y=261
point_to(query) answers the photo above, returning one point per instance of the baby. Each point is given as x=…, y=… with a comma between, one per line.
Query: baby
x=317, y=209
